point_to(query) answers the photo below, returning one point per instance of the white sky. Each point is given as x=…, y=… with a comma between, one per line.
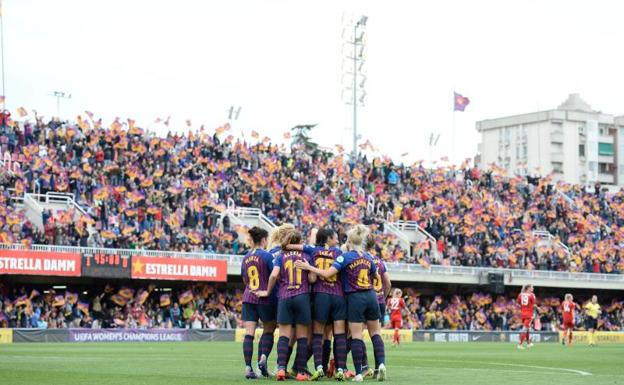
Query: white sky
x=282, y=61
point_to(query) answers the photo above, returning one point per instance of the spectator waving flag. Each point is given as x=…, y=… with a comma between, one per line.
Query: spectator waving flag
x=461, y=102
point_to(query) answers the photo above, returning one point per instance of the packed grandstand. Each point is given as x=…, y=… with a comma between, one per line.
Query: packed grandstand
x=133, y=184
x=142, y=191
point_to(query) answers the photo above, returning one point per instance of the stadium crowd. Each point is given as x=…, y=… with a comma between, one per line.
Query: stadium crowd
x=200, y=307
x=210, y=307
x=168, y=193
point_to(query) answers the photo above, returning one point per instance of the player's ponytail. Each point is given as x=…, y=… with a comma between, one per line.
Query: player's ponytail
x=257, y=234
x=291, y=237
x=277, y=234
x=356, y=237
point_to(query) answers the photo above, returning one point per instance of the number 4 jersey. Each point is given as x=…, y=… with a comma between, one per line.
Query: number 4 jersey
x=358, y=271
x=292, y=281
x=255, y=270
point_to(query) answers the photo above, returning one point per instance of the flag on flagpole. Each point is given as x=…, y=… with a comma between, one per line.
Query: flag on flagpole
x=461, y=102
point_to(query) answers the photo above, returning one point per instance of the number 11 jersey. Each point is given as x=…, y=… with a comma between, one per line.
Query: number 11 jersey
x=292, y=281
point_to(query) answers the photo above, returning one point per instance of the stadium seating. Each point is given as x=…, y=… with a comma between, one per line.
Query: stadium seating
x=208, y=306
x=138, y=190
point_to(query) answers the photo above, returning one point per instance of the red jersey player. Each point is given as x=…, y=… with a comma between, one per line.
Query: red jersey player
x=396, y=304
x=567, y=308
x=526, y=300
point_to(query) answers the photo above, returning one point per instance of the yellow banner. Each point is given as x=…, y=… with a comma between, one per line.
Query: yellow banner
x=386, y=335
x=6, y=336
x=239, y=335
x=599, y=337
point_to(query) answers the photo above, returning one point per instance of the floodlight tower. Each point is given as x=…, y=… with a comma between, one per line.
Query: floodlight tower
x=357, y=56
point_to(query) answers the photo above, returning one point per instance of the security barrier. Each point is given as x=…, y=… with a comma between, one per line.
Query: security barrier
x=175, y=335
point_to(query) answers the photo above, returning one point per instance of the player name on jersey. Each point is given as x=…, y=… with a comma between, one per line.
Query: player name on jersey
x=39, y=263
x=177, y=268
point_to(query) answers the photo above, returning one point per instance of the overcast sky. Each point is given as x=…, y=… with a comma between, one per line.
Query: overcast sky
x=282, y=61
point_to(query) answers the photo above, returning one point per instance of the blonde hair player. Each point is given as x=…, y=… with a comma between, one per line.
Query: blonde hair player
x=526, y=300
x=567, y=309
x=396, y=304
x=358, y=271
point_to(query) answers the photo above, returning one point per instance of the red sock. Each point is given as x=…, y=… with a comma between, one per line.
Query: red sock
x=521, y=338
x=396, y=336
x=528, y=338
x=570, y=336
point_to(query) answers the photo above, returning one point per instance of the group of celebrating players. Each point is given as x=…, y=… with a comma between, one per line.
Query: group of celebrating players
x=314, y=293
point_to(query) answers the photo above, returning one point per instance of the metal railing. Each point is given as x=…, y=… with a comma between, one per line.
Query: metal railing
x=252, y=212
x=514, y=273
x=398, y=267
x=7, y=162
x=403, y=239
x=56, y=198
x=124, y=253
x=546, y=235
x=413, y=226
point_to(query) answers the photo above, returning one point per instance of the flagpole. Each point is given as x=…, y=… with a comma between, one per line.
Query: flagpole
x=2, y=53
x=453, y=156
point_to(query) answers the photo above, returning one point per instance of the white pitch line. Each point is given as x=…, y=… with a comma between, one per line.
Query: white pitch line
x=479, y=369
x=582, y=373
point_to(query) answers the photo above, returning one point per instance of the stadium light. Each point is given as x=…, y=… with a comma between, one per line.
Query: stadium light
x=60, y=95
x=357, y=55
x=433, y=141
x=233, y=114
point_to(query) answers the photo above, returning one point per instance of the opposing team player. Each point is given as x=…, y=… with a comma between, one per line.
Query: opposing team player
x=255, y=270
x=567, y=308
x=526, y=300
x=329, y=304
x=293, y=306
x=396, y=304
x=358, y=272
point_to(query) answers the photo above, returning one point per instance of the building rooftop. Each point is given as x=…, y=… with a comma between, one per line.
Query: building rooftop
x=575, y=103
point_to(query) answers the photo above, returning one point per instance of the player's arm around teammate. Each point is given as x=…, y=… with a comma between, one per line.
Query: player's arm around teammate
x=293, y=306
x=329, y=304
x=358, y=273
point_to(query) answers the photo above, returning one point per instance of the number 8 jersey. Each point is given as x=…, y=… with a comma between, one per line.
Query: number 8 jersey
x=255, y=270
x=358, y=271
x=292, y=281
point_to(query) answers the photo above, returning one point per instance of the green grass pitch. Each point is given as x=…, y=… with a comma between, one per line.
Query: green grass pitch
x=191, y=363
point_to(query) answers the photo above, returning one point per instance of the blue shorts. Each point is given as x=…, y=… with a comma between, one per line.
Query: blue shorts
x=252, y=312
x=362, y=306
x=382, y=313
x=329, y=308
x=294, y=310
